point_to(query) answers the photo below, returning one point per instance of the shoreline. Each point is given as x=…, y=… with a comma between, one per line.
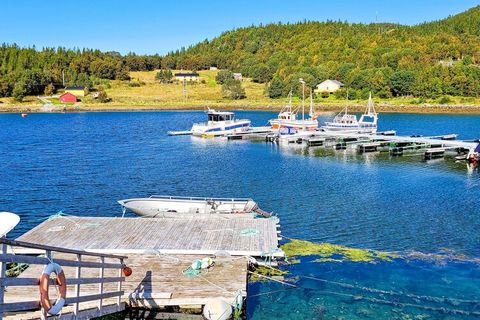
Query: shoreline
x=112, y=107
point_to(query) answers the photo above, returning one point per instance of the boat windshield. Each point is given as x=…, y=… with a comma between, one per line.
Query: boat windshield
x=220, y=117
x=345, y=118
x=367, y=118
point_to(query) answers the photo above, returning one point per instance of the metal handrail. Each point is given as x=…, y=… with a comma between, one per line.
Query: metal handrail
x=30, y=245
x=197, y=198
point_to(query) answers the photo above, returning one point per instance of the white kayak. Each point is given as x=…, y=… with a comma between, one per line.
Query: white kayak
x=9, y=221
x=168, y=206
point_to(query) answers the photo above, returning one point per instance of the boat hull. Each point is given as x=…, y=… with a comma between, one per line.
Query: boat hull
x=220, y=128
x=352, y=129
x=175, y=207
x=294, y=125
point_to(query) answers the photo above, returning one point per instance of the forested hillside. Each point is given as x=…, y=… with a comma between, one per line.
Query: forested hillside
x=427, y=60
x=27, y=71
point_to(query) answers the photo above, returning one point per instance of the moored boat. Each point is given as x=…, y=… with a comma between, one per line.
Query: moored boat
x=171, y=206
x=287, y=122
x=348, y=123
x=220, y=123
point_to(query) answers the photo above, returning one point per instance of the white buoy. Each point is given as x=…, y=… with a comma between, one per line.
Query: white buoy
x=217, y=309
x=9, y=221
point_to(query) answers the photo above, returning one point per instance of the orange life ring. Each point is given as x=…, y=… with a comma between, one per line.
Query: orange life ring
x=62, y=288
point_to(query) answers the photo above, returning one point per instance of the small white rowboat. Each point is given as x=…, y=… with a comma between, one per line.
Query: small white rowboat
x=168, y=206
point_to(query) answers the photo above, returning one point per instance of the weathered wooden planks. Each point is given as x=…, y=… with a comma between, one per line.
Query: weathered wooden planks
x=168, y=235
x=157, y=280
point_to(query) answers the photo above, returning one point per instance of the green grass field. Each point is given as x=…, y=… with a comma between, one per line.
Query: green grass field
x=207, y=93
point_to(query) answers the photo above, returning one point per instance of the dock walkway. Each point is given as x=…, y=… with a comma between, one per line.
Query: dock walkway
x=238, y=235
x=160, y=252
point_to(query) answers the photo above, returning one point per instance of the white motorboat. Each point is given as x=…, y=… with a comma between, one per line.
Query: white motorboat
x=9, y=221
x=169, y=206
x=287, y=121
x=220, y=123
x=348, y=123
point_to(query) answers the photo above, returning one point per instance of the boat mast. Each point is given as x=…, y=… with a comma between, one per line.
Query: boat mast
x=346, y=104
x=370, y=107
x=289, y=109
x=311, y=104
x=303, y=97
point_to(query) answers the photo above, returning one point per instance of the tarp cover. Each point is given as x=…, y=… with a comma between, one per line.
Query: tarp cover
x=477, y=149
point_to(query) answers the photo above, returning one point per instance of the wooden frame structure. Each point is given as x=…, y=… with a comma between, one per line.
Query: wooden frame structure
x=6, y=246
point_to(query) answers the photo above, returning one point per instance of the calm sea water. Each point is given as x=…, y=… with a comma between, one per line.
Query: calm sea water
x=82, y=163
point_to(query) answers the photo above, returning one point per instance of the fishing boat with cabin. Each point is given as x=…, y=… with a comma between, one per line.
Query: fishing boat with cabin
x=220, y=123
x=287, y=122
x=348, y=123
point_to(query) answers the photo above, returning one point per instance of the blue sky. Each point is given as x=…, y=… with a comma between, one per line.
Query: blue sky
x=149, y=27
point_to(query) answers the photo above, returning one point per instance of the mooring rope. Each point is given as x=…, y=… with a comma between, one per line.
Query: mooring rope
x=394, y=293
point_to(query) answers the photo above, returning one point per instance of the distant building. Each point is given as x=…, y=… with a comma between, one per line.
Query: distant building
x=329, y=86
x=77, y=91
x=237, y=76
x=187, y=76
x=68, y=97
x=446, y=63
x=213, y=68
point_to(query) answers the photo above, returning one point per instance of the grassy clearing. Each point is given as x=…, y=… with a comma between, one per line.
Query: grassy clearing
x=152, y=95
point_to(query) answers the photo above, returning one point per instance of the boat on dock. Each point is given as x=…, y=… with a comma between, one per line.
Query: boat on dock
x=348, y=123
x=220, y=123
x=287, y=122
x=174, y=207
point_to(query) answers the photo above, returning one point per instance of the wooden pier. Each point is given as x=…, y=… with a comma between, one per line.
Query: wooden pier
x=159, y=251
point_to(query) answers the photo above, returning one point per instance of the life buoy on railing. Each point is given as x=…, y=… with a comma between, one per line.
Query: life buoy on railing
x=62, y=288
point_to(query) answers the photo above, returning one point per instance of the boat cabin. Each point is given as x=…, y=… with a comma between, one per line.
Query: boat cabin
x=287, y=115
x=346, y=119
x=217, y=116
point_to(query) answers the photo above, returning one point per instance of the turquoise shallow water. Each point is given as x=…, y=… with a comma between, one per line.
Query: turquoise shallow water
x=81, y=163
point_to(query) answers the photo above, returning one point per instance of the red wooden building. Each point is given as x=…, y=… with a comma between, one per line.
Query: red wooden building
x=68, y=97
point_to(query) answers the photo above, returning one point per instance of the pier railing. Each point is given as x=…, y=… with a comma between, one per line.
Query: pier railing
x=20, y=253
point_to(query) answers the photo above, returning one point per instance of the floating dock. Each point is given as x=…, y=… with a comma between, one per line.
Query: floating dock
x=432, y=147
x=159, y=251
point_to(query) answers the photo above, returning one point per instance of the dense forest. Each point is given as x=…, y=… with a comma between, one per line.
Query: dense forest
x=426, y=60
x=27, y=71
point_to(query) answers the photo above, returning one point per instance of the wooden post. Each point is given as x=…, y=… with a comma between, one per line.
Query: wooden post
x=120, y=274
x=3, y=271
x=43, y=316
x=77, y=286
x=100, y=286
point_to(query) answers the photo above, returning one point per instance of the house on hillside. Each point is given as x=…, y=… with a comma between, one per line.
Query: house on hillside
x=328, y=86
x=77, y=91
x=237, y=76
x=187, y=76
x=213, y=68
x=68, y=97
